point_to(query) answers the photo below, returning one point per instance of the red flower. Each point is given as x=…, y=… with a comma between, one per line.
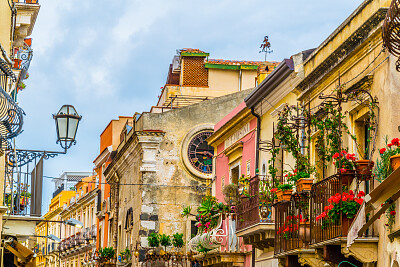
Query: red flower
x=359, y=200
x=273, y=190
x=361, y=194
x=396, y=142
x=336, y=155
x=351, y=192
x=389, y=145
x=382, y=150
x=393, y=213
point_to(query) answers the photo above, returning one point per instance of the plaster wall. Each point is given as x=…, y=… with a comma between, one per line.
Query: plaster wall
x=156, y=159
x=386, y=87
x=5, y=26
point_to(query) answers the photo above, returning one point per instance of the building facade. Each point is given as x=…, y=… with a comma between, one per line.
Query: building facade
x=110, y=138
x=78, y=245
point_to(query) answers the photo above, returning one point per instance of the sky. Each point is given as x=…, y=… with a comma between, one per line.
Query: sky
x=110, y=58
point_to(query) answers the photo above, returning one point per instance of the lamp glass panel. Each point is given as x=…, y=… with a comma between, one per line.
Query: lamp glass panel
x=62, y=128
x=73, y=124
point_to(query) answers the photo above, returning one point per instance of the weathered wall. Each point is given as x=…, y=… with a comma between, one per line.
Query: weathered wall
x=158, y=208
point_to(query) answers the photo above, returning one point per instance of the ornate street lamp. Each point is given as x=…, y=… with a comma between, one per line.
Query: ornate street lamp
x=67, y=120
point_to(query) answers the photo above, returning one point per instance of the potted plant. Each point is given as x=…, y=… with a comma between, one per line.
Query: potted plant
x=345, y=205
x=165, y=241
x=106, y=254
x=154, y=240
x=345, y=164
x=284, y=192
x=231, y=194
x=244, y=184
x=301, y=178
x=177, y=241
x=125, y=255
x=389, y=159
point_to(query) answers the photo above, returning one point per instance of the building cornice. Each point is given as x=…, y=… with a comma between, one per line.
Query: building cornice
x=240, y=119
x=341, y=52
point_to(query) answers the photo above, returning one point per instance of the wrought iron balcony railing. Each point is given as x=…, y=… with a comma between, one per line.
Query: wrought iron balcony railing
x=253, y=210
x=292, y=224
x=222, y=238
x=322, y=227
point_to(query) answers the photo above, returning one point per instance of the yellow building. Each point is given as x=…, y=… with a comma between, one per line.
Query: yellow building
x=348, y=75
x=47, y=250
x=194, y=77
x=17, y=20
x=78, y=243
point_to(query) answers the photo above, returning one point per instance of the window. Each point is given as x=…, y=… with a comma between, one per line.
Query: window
x=235, y=174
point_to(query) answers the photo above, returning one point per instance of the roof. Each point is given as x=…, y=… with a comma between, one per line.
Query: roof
x=240, y=62
x=192, y=50
x=270, y=82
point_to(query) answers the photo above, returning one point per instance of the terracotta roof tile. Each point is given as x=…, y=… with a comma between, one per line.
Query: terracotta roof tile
x=191, y=50
x=241, y=62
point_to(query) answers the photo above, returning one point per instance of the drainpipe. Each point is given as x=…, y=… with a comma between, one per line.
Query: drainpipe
x=258, y=135
x=116, y=207
x=253, y=252
x=240, y=80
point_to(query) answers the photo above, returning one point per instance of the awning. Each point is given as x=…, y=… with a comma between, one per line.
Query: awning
x=385, y=193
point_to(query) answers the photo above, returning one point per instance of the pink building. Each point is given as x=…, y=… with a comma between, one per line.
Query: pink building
x=234, y=142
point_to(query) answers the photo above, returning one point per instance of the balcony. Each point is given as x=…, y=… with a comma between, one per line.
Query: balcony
x=27, y=12
x=292, y=225
x=220, y=246
x=254, y=221
x=330, y=235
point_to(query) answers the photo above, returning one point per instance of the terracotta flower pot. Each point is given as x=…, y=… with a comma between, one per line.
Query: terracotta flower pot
x=395, y=162
x=304, y=184
x=284, y=195
x=346, y=223
x=348, y=176
x=364, y=169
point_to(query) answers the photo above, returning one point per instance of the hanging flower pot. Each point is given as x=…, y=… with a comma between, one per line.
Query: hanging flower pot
x=395, y=162
x=347, y=177
x=304, y=184
x=364, y=169
x=284, y=195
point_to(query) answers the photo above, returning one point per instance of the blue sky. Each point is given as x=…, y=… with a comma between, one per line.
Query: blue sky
x=110, y=58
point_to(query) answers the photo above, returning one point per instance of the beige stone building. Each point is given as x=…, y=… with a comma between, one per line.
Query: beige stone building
x=164, y=164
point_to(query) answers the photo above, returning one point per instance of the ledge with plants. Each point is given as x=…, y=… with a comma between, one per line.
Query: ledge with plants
x=164, y=245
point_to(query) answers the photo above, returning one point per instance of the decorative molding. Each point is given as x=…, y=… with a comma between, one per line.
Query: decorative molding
x=365, y=252
x=312, y=260
x=341, y=53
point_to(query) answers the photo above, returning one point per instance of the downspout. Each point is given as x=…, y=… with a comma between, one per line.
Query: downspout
x=253, y=250
x=257, y=136
x=240, y=80
x=116, y=208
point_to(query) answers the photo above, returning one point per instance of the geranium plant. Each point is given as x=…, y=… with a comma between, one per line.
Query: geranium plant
x=344, y=161
x=383, y=167
x=285, y=187
x=346, y=204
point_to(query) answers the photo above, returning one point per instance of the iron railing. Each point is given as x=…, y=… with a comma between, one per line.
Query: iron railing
x=249, y=210
x=323, y=229
x=292, y=224
x=169, y=260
